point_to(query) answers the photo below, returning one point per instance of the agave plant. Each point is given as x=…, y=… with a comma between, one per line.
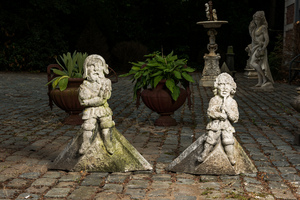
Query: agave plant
x=158, y=67
x=72, y=66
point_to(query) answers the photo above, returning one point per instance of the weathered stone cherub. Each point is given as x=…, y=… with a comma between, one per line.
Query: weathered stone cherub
x=222, y=111
x=93, y=94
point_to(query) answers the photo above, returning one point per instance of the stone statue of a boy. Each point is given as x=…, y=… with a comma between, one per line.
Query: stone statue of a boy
x=222, y=111
x=93, y=94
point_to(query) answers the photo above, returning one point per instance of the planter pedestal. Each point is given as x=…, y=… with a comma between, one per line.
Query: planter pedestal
x=165, y=119
x=73, y=119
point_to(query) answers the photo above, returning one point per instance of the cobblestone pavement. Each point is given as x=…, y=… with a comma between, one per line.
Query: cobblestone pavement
x=32, y=136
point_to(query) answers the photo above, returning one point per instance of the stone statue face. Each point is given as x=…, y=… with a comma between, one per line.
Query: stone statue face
x=224, y=89
x=257, y=21
x=94, y=71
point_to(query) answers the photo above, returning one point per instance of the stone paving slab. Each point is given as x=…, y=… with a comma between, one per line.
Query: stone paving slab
x=32, y=135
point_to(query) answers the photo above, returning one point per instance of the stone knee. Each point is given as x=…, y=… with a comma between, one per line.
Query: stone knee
x=106, y=122
x=227, y=139
x=89, y=124
x=212, y=137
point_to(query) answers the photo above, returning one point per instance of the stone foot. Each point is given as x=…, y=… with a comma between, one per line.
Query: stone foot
x=83, y=148
x=232, y=160
x=200, y=159
x=203, y=155
x=258, y=85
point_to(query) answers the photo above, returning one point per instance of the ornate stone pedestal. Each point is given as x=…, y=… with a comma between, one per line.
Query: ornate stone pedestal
x=210, y=71
x=211, y=61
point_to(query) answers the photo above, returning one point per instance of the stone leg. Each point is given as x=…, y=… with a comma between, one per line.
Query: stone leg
x=228, y=144
x=229, y=149
x=88, y=127
x=211, y=140
x=106, y=124
x=256, y=64
x=108, y=140
x=205, y=152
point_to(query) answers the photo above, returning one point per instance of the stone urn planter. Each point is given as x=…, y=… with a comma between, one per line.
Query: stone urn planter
x=164, y=74
x=67, y=100
x=160, y=100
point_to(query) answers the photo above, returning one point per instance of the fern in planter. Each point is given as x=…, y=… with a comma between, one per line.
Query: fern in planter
x=158, y=67
x=72, y=66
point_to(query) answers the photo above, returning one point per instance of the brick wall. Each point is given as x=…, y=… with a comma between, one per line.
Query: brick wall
x=288, y=45
x=290, y=14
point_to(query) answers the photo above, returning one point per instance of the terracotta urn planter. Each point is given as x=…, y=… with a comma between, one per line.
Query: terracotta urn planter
x=160, y=100
x=67, y=100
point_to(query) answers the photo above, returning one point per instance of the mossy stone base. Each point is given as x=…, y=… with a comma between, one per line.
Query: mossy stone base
x=216, y=163
x=96, y=158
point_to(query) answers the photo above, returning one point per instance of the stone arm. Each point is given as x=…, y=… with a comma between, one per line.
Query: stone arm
x=266, y=37
x=93, y=102
x=214, y=111
x=231, y=109
x=88, y=99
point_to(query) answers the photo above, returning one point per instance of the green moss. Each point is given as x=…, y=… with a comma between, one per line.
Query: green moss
x=233, y=195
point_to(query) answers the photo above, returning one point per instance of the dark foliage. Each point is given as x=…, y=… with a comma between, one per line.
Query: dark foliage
x=33, y=32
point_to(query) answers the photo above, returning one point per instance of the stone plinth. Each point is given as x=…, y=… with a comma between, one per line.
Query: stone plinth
x=267, y=87
x=125, y=157
x=211, y=70
x=250, y=73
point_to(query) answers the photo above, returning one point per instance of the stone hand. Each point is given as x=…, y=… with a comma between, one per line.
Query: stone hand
x=223, y=116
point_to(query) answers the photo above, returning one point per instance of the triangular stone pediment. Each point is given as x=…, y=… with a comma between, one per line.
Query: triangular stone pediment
x=216, y=163
x=96, y=158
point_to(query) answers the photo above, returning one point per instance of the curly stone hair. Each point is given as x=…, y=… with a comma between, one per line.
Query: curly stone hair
x=224, y=78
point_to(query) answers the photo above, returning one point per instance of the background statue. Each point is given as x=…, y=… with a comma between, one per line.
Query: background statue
x=211, y=14
x=258, y=60
x=93, y=94
x=222, y=111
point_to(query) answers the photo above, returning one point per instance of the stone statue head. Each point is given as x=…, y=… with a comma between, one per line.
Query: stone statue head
x=224, y=83
x=94, y=67
x=259, y=18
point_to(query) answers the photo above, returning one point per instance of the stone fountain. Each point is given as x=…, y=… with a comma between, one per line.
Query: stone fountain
x=211, y=61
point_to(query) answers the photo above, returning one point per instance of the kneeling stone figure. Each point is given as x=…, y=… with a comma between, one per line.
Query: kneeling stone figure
x=216, y=151
x=222, y=111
